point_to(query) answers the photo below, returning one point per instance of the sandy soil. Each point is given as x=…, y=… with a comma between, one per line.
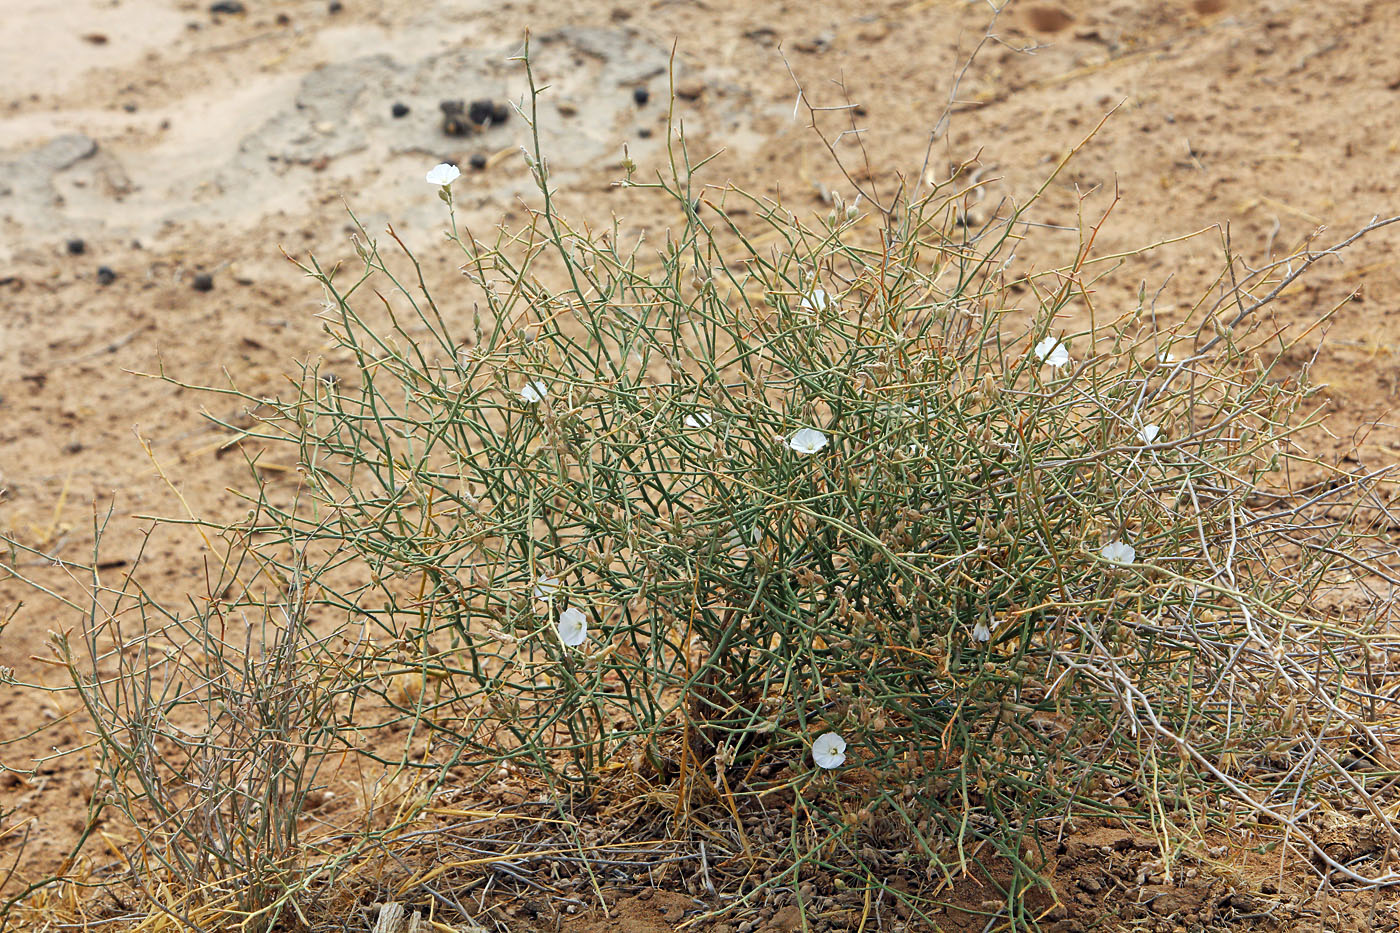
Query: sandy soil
x=175, y=142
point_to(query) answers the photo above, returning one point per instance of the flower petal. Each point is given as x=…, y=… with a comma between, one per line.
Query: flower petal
x=807, y=441
x=545, y=588
x=444, y=173
x=572, y=627
x=1119, y=552
x=829, y=750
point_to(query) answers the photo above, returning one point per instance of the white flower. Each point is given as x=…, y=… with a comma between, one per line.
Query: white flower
x=1119, y=552
x=444, y=173
x=981, y=631
x=545, y=588
x=829, y=750
x=1164, y=355
x=743, y=542
x=807, y=441
x=1052, y=352
x=534, y=392
x=815, y=300
x=572, y=627
x=1149, y=433
x=701, y=419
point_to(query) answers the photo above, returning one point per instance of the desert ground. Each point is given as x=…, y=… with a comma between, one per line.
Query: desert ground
x=157, y=159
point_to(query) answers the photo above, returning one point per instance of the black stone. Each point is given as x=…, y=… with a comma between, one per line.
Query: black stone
x=229, y=7
x=452, y=122
x=477, y=161
x=481, y=111
x=500, y=113
x=204, y=282
x=75, y=247
x=399, y=109
x=641, y=95
x=335, y=7
x=105, y=276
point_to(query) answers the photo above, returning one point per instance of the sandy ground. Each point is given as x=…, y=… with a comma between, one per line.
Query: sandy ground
x=174, y=142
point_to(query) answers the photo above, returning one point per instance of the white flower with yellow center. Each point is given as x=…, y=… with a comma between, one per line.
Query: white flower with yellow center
x=829, y=751
x=572, y=627
x=807, y=441
x=443, y=174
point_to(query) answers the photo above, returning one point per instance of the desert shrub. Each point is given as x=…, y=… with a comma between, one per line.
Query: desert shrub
x=831, y=519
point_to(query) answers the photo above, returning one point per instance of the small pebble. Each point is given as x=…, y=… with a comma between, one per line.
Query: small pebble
x=335, y=7
x=75, y=247
x=230, y=7
x=644, y=132
x=481, y=111
x=203, y=282
x=641, y=95
x=400, y=109
x=105, y=275
x=477, y=161
x=500, y=113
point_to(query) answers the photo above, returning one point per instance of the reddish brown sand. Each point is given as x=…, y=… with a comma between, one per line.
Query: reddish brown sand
x=174, y=142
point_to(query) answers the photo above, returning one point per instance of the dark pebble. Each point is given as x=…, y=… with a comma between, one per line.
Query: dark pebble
x=204, y=282
x=481, y=111
x=644, y=132
x=75, y=247
x=335, y=7
x=229, y=7
x=283, y=19
x=500, y=113
x=452, y=122
x=399, y=109
x=129, y=107
x=105, y=275
x=477, y=161
x=641, y=95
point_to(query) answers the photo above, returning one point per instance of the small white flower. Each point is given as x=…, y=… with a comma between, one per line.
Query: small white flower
x=535, y=392
x=1119, y=552
x=545, y=588
x=829, y=750
x=1052, y=352
x=1164, y=355
x=701, y=419
x=981, y=631
x=744, y=541
x=807, y=441
x=815, y=300
x=572, y=627
x=1149, y=433
x=444, y=173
